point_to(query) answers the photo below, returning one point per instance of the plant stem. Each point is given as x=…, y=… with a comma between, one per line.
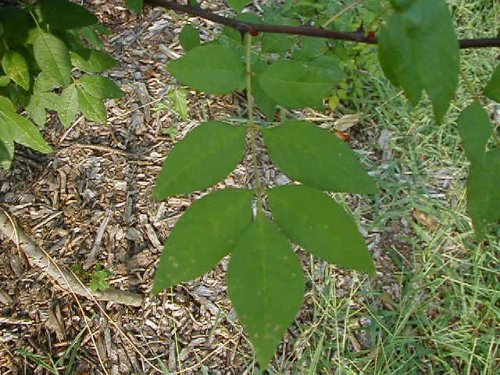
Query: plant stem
x=247, y=27
x=253, y=129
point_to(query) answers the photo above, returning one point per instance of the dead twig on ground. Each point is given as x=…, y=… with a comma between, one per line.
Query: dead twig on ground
x=64, y=278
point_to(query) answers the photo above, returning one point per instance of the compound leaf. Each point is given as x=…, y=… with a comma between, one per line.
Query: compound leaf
x=52, y=56
x=206, y=233
x=266, y=285
x=418, y=50
x=64, y=14
x=204, y=157
x=483, y=204
x=92, y=61
x=475, y=130
x=320, y=225
x=212, y=68
x=492, y=89
x=293, y=84
x=189, y=37
x=15, y=66
x=317, y=157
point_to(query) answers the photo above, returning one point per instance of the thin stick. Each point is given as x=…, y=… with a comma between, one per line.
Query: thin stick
x=63, y=278
x=359, y=36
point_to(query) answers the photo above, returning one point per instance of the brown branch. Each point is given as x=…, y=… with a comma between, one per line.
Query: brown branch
x=254, y=28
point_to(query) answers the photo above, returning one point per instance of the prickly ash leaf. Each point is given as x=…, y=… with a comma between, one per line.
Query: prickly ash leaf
x=4, y=153
x=492, y=89
x=100, y=87
x=92, y=108
x=64, y=14
x=205, y=234
x=212, y=68
x=483, y=204
x=52, y=56
x=44, y=83
x=189, y=37
x=293, y=84
x=475, y=130
x=317, y=158
x=207, y=155
x=418, y=50
x=21, y=130
x=68, y=105
x=92, y=61
x=266, y=285
x=36, y=109
x=238, y=5
x=320, y=225
x=15, y=66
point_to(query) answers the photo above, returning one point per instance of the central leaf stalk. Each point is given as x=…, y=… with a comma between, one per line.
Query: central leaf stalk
x=253, y=129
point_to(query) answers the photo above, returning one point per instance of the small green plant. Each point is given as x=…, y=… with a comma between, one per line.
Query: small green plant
x=99, y=280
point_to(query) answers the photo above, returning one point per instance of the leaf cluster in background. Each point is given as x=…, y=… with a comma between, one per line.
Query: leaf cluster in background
x=40, y=50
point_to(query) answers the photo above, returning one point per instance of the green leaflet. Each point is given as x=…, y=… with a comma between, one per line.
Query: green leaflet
x=92, y=61
x=21, y=130
x=44, y=83
x=100, y=87
x=238, y=5
x=92, y=91
x=266, y=285
x=4, y=153
x=207, y=155
x=276, y=43
x=475, y=130
x=310, y=48
x=64, y=14
x=36, y=109
x=52, y=56
x=92, y=108
x=178, y=97
x=212, y=68
x=4, y=81
x=135, y=5
x=15, y=66
x=189, y=37
x=317, y=157
x=206, y=233
x=483, y=203
x=67, y=107
x=492, y=89
x=293, y=84
x=418, y=50
x=265, y=104
x=320, y=225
